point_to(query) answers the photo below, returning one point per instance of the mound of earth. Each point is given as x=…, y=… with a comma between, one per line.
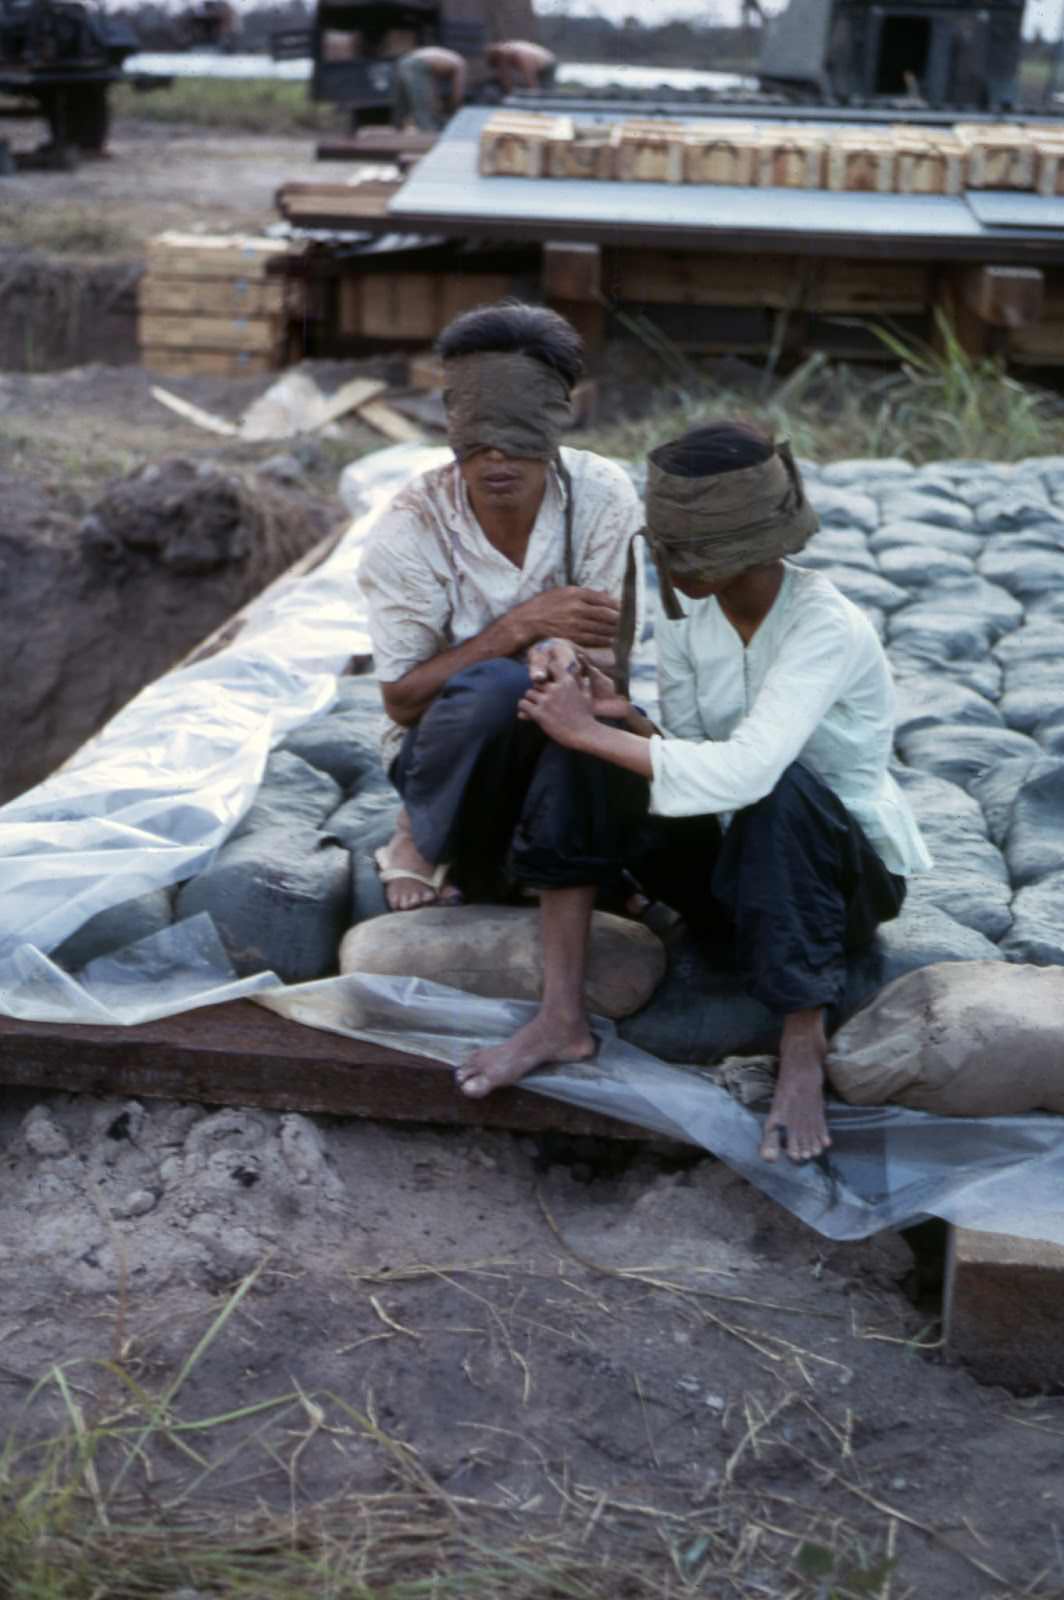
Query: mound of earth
x=98, y=606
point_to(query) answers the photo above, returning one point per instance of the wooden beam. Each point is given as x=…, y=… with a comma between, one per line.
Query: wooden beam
x=1004, y=297
x=572, y=272
x=242, y=1054
x=1004, y=1308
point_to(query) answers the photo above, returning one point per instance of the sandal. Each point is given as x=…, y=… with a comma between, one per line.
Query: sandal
x=436, y=880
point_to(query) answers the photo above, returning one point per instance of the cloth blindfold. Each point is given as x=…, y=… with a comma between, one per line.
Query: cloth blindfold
x=505, y=400
x=715, y=527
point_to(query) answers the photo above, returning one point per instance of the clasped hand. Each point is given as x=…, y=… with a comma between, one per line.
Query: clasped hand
x=568, y=694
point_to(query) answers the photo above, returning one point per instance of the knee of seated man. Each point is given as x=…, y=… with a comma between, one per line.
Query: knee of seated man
x=490, y=690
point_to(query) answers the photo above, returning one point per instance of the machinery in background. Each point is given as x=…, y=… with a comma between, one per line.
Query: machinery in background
x=58, y=59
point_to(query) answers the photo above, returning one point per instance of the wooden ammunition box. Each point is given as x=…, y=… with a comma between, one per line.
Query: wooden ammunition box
x=861, y=162
x=792, y=158
x=725, y=152
x=999, y=156
x=651, y=150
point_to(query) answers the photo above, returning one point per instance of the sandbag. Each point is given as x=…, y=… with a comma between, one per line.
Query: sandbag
x=497, y=952
x=962, y=1038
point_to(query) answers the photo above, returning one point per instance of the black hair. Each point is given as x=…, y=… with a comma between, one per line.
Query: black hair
x=713, y=448
x=509, y=325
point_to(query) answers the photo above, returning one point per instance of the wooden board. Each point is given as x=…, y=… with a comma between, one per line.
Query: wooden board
x=669, y=277
x=212, y=297
x=242, y=1054
x=175, y=363
x=261, y=334
x=300, y=201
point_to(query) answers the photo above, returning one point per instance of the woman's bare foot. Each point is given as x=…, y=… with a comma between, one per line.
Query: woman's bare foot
x=796, y=1121
x=410, y=881
x=543, y=1040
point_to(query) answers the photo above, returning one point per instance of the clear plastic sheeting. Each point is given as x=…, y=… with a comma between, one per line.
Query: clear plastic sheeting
x=147, y=803
x=887, y=1167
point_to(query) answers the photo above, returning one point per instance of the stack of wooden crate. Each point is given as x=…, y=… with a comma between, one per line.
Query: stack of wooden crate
x=412, y=305
x=217, y=304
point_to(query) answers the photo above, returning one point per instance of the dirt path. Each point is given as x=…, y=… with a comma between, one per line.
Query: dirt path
x=639, y=1362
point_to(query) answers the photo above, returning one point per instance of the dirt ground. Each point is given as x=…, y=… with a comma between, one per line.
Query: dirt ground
x=620, y=1353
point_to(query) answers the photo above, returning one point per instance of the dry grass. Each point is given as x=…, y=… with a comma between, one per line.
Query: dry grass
x=96, y=1509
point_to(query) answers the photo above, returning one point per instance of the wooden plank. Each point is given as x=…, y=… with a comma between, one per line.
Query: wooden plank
x=262, y=334
x=572, y=271
x=390, y=422
x=665, y=277
x=1004, y=1308
x=213, y=297
x=425, y=371
x=174, y=363
x=243, y=1054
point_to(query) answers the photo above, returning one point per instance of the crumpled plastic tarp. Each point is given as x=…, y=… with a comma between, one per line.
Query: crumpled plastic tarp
x=148, y=802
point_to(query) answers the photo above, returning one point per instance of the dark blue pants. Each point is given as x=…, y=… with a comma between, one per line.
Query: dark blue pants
x=505, y=804
x=781, y=896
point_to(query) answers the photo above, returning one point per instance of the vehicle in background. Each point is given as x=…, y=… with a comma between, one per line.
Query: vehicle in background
x=62, y=56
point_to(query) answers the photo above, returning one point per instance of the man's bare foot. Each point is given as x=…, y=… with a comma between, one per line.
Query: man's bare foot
x=410, y=881
x=796, y=1121
x=543, y=1040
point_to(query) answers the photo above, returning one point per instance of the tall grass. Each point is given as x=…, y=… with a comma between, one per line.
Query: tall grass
x=938, y=403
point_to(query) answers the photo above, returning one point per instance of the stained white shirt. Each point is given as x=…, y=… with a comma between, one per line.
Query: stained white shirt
x=432, y=578
x=813, y=685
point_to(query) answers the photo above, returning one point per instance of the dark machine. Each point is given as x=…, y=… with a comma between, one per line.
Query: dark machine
x=355, y=44
x=62, y=56
x=947, y=54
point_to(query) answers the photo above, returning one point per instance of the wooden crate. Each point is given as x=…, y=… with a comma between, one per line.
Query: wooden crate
x=262, y=335
x=651, y=150
x=513, y=144
x=674, y=277
x=173, y=363
x=999, y=156
x=588, y=152
x=412, y=305
x=928, y=162
x=792, y=158
x=232, y=256
x=723, y=152
x=1049, y=158
x=214, y=297
x=861, y=161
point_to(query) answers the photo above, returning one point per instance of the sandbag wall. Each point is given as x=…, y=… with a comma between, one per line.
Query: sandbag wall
x=959, y=565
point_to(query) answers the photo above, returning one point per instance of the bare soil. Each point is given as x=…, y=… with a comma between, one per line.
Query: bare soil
x=617, y=1347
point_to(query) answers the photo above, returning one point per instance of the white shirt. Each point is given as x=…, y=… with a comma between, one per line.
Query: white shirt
x=813, y=685
x=433, y=579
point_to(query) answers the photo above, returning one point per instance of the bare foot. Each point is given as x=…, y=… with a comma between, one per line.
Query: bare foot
x=796, y=1121
x=410, y=881
x=539, y=1042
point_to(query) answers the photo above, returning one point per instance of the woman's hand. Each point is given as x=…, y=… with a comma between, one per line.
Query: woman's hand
x=563, y=708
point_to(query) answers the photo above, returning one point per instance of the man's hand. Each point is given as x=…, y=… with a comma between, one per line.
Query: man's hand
x=587, y=617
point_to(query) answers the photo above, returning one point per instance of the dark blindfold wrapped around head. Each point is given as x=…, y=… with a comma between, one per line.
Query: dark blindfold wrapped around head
x=505, y=400
x=713, y=527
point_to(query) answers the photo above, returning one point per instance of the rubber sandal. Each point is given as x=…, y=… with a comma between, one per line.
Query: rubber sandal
x=436, y=880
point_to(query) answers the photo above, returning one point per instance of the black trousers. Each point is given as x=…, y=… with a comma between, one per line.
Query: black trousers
x=502, y=802
x=781, y=896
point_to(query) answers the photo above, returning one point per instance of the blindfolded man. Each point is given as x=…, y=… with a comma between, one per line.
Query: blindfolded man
x=519, y=540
